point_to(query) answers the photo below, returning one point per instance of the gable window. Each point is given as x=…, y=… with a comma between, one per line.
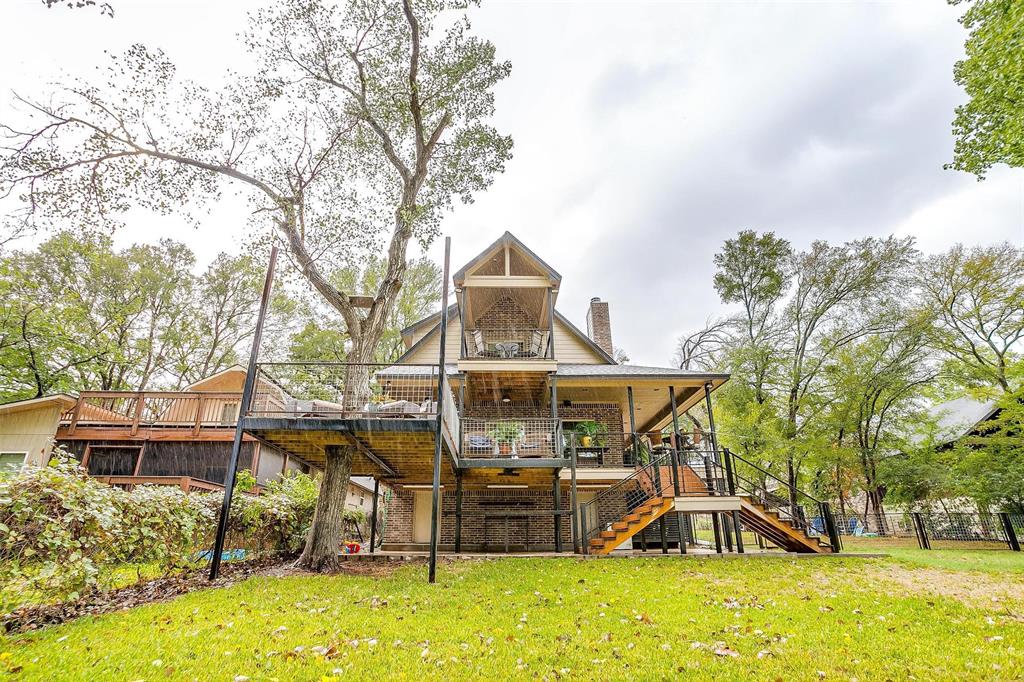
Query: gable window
x=12, y=461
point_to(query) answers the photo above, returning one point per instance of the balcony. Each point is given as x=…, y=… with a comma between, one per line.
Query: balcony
x=505, y=439
x=129, y=412
x=493, y=343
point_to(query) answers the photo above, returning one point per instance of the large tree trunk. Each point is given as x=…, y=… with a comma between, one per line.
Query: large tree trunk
x=324, y=540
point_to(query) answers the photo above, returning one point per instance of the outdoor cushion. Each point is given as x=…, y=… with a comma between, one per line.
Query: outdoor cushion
x=480, y=443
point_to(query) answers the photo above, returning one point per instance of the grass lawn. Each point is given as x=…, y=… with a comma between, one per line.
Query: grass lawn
x=763, y=618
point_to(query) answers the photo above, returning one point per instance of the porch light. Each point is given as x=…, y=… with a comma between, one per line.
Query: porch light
x=505, y=398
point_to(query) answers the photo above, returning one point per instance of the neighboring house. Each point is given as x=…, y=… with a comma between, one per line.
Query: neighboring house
x=27, y=428
x=360, y=495
x=546, y=442
x=131, y=437
x=964, y=416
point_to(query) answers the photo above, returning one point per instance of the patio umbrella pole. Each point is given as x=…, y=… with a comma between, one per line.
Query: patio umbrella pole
x=236, y=446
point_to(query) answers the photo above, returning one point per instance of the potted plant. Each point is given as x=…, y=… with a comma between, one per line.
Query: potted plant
x=591, y=434
x=506, y=434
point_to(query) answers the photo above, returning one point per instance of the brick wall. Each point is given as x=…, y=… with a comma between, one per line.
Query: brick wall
x=505, y=313
x=480, y=532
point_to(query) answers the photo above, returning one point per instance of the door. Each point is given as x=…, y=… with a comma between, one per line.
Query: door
x=421, y=515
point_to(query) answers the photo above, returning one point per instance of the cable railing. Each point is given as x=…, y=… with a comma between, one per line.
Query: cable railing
x=776, y=495
x=612, y=504
x=506, y=343
x=344, y=390
x=509, y=438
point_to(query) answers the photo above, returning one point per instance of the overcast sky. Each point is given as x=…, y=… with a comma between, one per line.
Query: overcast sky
x=645, y=135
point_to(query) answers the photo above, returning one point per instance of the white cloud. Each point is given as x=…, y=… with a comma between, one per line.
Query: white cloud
x=646, y=133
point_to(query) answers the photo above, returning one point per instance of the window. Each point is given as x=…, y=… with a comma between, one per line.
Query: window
x=12, y=461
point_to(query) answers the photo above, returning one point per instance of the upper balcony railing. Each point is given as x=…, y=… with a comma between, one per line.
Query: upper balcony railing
x=507, y=343
x=510, y=438
x=341, y=390
x=133, y=410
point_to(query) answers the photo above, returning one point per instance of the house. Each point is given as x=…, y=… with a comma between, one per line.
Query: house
x=27, y=428
x=127, y=438
x=546, y=442
x=961, y=417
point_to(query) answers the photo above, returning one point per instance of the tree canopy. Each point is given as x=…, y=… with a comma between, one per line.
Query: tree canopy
x=989, y=127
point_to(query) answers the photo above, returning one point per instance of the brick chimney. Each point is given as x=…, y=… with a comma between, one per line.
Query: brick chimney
x=599, y=325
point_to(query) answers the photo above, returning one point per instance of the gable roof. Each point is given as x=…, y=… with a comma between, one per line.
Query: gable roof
x=961, y=416
x=233, y=368
x=507, y=239
x=64, y=400
x=433, y=318
x=590, y=343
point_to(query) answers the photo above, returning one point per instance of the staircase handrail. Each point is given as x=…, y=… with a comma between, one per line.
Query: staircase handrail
x=652, y=470
x=784, y=505
x=785, y=484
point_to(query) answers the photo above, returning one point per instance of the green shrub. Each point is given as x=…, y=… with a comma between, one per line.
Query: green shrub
x=61, y=531
x=57, y=528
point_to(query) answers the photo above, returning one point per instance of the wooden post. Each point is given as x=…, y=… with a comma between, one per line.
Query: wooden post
x=461, y=302
x=632, y=428
x=236, y=446
x=140, y=401
x=551, y=324
x=373, y=516
x=435, y=510
x=556, y=445
x=75, y=413
x=199, y=416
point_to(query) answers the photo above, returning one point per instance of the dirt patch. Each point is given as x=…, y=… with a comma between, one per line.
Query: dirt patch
x=973, y=589
x=29, y=618
x=377, y=568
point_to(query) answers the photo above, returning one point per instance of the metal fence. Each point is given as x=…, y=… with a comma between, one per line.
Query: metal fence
x=932, y=530
x=344, y=390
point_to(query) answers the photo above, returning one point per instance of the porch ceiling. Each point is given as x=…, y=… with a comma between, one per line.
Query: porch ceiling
x=397, y=450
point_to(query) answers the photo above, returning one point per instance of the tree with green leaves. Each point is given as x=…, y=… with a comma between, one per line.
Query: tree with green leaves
x=977, y=298
x=874, y=387
x=78, y=314
x=841, y=294
x=989, y=127
x=362, y=124
x=324, y=338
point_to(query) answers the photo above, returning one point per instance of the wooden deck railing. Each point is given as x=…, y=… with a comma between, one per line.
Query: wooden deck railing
x=193, y=410
x=186, y=483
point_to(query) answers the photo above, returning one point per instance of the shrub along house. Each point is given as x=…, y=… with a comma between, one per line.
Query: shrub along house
x=547, y=442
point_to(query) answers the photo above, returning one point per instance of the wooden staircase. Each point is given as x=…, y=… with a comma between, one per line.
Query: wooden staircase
x=780, y=531
x=753, y=514
x=631, y=524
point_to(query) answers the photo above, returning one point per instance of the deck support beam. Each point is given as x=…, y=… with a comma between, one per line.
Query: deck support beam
x=458, y=512
x=556, y=491
x=577, y=541
x=680, y=517
x=435, y=509
x=236, y=445
x=373, y=515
